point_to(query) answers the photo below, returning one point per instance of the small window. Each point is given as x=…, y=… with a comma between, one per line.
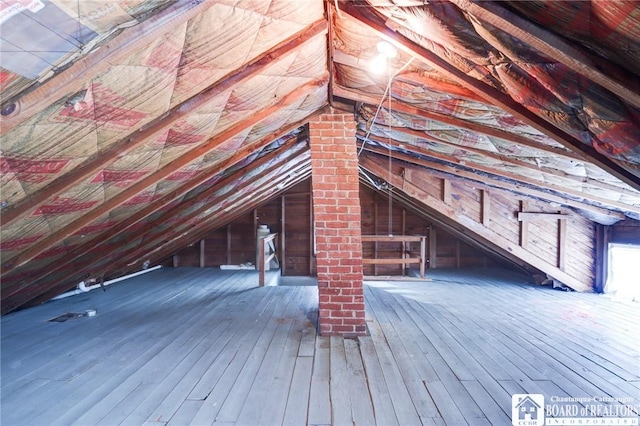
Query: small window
x=623, y=271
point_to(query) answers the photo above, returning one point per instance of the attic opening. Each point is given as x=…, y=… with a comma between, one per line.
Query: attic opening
x=622, y=274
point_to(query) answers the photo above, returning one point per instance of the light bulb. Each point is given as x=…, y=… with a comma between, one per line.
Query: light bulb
x=387, y=49
x=379, y=64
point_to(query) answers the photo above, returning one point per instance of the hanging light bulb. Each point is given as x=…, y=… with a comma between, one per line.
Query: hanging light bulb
x=379, y=64
x=386, y=51
x=385, y=48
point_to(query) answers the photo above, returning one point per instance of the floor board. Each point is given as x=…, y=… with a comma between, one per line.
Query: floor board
x=197, y=346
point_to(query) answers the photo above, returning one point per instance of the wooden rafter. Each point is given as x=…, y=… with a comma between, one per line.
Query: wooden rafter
x=125, y=258
x=376, y=21
x=552, y=46
x=95, y=245
x=175, y=165
x=161, y=124
x=458, y=122
x=526, y=186
x=410, y=77
x=515, y=162
x=74, y=78
x=501, y=244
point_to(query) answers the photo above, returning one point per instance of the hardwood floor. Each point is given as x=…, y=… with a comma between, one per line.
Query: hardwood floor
x=204, y=346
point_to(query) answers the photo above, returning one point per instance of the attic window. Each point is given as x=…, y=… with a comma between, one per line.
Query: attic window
x=622, y=281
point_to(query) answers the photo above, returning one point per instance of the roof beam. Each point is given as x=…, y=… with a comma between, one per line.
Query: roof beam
x=73, y=79
x=159, y=125
x=410, y=77
x=532, y=188
x=22, y=297
x=376, y=21
x=479, y=231
x=515, y=162
x=175, y=165
x=551, y=46
x=95, y=244
x=458, y=122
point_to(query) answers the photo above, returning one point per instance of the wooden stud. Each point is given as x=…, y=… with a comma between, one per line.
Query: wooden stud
x=404, y=243
x=423, y=255
x=485, y=209
x=312, y=235
x=524, y=227
x=446, y=191
x=562, y=243
x=229, y=244
x=283, y=232
x=255, y=233
x=376, y=245
x=433, y=255
x=202, y=253
x=524, y=216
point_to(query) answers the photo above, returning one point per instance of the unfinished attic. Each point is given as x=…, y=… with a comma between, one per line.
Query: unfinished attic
x=319, y=212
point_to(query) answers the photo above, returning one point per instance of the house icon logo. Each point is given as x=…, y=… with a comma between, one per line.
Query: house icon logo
x=527, y=410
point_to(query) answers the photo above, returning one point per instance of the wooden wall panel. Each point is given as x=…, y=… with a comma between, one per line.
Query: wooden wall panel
x=545, y=248
x=626, y=232
x=215, y=248
x=189, y=256
x=581, y=248
x=450, y=251
x=466, y=200
x=298, y=243
x=503, y=212
x=243, y=240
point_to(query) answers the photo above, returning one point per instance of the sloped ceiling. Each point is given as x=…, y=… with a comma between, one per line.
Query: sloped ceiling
x=131, y=128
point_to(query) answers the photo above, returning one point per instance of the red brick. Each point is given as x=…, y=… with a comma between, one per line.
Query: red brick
x=353, y=306
x=352, y=321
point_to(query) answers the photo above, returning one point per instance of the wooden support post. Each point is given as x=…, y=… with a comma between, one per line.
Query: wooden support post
x=202, y=253
x=458, y=254
x=260, y=264
x=312, y=235
x=446, y=191
x=432, y=247
x=404, y=243
x=524, y=227
x=229, y=244
x=375, y=231
x=562, y=242
x=174, y=259
x=423, y=255
x=485, y=210
x=283, y=254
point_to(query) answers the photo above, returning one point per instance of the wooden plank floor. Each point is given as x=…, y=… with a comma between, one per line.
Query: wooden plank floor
x=204, y=346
